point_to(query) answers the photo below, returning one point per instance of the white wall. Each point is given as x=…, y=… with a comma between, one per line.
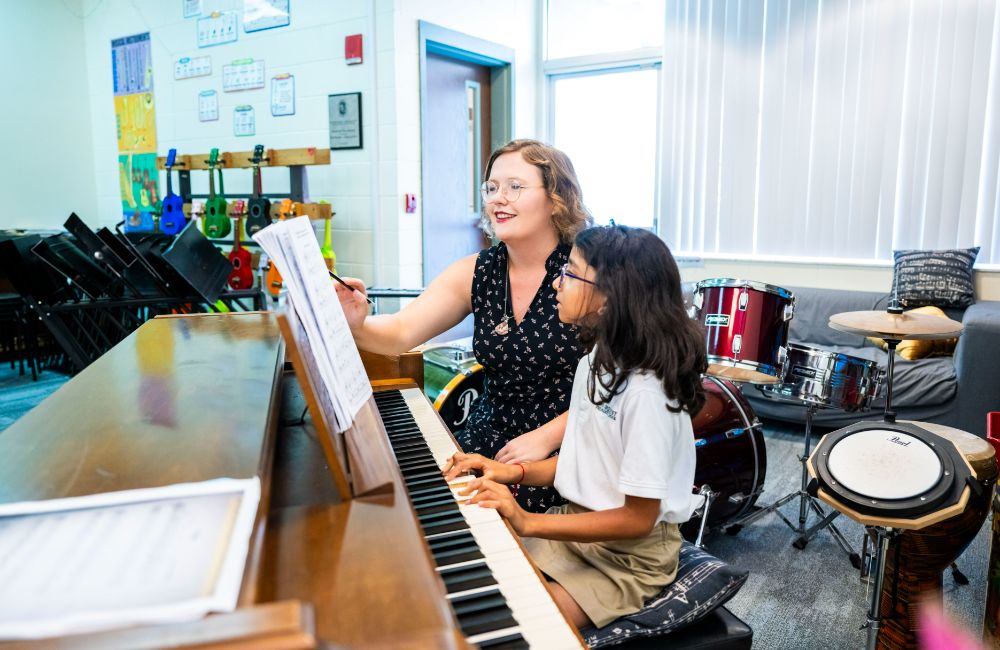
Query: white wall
x=47, y=170
x=398, y=82
x=365, y=186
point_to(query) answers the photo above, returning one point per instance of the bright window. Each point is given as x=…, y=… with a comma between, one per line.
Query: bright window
x=602, y=26
x=607, y=124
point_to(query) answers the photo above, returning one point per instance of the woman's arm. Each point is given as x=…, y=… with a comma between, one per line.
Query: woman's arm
x=633, y=520
x=445, y=302
x=535, y=444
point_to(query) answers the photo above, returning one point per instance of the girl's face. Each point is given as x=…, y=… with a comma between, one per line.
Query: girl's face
x=575, y=292
x=527, y=216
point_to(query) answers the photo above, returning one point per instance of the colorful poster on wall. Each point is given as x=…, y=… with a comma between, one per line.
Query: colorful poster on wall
x=137, y=176
x=135, y=118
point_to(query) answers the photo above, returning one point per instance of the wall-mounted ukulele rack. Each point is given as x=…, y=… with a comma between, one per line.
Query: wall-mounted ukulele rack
x=295, y=160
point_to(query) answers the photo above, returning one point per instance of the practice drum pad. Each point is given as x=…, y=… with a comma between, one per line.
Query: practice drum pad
x=884, y=464
x=896, y=475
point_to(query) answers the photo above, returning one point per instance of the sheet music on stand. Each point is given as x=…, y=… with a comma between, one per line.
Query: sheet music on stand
x=316, y=315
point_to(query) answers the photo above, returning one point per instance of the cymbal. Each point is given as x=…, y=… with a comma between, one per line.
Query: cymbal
x=903, y=326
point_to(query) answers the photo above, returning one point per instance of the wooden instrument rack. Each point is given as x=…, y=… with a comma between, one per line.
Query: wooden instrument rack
x=295, y=160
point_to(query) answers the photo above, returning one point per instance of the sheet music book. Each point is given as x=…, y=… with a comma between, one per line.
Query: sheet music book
x=114, y=559
x=315, y=311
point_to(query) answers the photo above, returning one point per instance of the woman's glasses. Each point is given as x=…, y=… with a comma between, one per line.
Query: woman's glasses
x=563, y=274
x=511, y=190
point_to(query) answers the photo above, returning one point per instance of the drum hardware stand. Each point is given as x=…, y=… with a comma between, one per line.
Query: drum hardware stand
x=806, y=500
x=882, y=538
x=709, y=495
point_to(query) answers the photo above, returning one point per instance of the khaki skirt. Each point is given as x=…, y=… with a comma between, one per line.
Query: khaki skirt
x=609, y=579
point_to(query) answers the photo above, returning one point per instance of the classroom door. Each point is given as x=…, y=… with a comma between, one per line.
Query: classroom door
x=456, y=147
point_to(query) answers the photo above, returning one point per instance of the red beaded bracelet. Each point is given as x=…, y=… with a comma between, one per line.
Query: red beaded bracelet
x=522, y=472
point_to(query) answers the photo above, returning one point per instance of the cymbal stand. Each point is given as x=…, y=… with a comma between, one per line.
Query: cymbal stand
x=888, y=414
x=806, y=501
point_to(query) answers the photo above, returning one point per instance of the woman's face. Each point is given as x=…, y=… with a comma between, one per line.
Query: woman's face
x=527, y=216
x=576, y=294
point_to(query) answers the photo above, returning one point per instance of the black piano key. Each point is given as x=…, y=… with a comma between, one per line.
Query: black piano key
x=463, y=578
x=478, y=602
x=432, y=496
x=462, y=539
x=454, y=556
x=492, y=620
x=507, y=642
x=446, y=526
x=424, y=472
x=432, y=518
x=430, y=510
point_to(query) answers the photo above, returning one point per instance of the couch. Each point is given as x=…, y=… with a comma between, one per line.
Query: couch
x=957, y=390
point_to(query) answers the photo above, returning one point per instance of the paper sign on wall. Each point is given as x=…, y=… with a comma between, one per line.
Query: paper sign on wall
x=208, y=106
x=282, y=95
x=217, y=29
x=243, y=120
x=188, y=67
x=192, y=8
x=264, y=14
x=242, y=74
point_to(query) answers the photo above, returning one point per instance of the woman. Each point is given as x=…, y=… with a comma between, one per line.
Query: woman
x=533, y=206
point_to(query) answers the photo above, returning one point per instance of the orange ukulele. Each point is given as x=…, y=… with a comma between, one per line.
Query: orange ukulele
x=241, y=277
x=273, y=278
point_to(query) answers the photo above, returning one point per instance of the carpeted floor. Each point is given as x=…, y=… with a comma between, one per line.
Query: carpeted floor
x=794, y=599
x=19, y=394
x=814, y=598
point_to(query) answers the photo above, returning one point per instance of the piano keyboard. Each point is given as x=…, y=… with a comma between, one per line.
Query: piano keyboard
x=496, y=595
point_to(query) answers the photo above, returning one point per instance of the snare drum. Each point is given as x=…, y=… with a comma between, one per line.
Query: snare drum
x=453, y=379
x=931, y=481
x=827, y=379
x=746, y=327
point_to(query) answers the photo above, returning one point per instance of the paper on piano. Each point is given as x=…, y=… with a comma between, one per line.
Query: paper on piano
x=292, y=244
x=116, y=559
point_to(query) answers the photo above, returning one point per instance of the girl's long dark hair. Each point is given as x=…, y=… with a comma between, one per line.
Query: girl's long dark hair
x=643, y=325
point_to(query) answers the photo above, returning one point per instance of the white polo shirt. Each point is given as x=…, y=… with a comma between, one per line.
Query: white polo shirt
x=631, y=445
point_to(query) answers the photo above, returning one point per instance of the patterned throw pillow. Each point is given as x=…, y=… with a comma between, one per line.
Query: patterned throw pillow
x=941, y=278
x=703, y=583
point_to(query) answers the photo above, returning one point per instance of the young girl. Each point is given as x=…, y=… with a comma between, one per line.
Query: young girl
x=628, y=459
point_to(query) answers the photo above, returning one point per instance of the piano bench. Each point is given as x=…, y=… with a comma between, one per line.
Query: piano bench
x=718, y=630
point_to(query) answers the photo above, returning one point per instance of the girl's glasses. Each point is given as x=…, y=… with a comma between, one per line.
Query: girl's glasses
x=510, y=190
x=563, y=274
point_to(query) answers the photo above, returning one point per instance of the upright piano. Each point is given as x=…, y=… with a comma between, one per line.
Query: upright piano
x=398, y=564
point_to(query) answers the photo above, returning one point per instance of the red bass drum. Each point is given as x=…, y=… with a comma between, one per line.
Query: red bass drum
x=731, y=459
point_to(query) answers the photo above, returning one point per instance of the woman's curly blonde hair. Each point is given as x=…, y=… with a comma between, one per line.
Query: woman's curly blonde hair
x=558, y=178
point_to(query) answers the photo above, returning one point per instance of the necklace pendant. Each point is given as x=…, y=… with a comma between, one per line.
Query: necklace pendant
x=502, y=327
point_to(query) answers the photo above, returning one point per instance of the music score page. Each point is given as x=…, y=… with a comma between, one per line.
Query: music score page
x=293, y=246
x=101, y=561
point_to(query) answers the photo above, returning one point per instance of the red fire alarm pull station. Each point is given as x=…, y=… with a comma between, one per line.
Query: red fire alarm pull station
x=353, y=49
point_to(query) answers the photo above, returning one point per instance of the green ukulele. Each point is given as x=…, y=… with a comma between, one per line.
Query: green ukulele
x=216, y=223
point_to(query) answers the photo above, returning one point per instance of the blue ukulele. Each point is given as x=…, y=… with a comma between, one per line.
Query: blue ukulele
x=172, y=219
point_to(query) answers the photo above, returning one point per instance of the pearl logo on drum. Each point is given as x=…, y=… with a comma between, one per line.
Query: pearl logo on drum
x=902, y=443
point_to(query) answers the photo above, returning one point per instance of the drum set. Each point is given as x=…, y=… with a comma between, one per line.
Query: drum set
x=921, y=490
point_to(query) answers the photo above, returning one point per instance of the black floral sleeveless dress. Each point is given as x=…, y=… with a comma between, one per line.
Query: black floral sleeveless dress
x=528, y=372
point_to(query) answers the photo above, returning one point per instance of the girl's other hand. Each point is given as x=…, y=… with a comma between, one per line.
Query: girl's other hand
x=490, y=494
x=526, y=448
x=461, y=463
x=354, y=303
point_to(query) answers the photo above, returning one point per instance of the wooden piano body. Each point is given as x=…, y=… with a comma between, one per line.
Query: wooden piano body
x=195, y=398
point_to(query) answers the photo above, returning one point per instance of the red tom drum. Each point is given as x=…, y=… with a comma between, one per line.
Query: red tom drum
x=746, y=328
